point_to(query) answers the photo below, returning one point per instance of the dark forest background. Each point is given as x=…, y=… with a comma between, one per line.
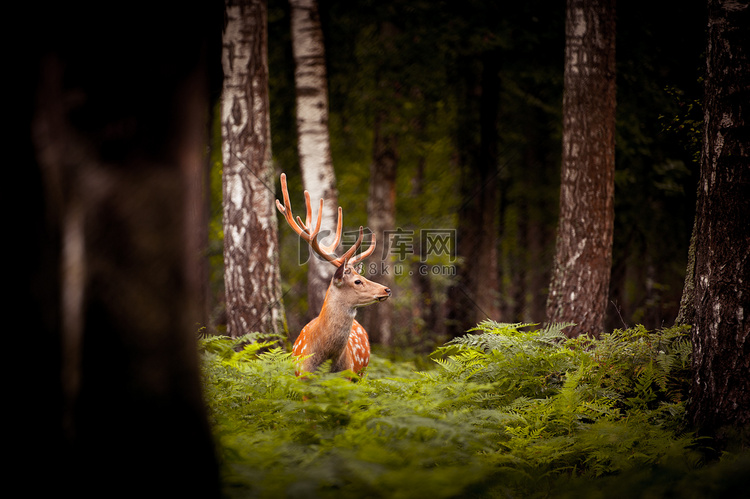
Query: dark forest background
x=126, y=129
x=414, y=65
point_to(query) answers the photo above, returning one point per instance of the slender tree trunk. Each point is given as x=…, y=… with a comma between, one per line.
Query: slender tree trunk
x=537, y=236
x=197, y=169
x=381, y=219
x=251, y=275
x=120, y=157
x=381, y=200
x=583, y=255
x=475, y=296
x=720, y=394
x=486, y=276
x=318, y=176
x=541, y=214
x=424, y=308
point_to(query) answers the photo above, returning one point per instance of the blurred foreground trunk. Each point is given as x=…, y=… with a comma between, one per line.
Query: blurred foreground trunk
x=116, y=164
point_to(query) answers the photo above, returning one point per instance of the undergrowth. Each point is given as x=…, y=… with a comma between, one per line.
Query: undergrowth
x=507, y=411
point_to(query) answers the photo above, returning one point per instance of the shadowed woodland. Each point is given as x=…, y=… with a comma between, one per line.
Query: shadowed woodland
x=425, y=88
x=559, y=196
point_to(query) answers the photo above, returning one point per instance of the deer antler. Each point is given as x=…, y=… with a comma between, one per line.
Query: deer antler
x=310, y=234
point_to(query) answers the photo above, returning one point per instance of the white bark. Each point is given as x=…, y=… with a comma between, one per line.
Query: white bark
x=314, y=150
x=251, y=275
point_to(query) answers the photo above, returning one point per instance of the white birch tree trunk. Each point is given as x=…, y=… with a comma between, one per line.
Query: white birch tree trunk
x=314, y=149
x=251, y=266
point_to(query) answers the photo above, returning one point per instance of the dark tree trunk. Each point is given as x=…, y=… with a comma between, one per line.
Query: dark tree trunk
x=721, y=337
x=583, y=255
x=119, y=132
x=486, y=277
x=381, y=218
x=475, y=296
x=425, y=308
x=539, y=236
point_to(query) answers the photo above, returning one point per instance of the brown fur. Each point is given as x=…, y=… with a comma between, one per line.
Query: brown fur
x=330, y=335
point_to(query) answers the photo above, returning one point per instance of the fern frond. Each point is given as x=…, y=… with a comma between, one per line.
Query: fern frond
x=553, y=333
x=512, y=405
x=492, y=327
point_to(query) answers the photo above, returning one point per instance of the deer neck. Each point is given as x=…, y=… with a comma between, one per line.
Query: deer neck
x=336, y=318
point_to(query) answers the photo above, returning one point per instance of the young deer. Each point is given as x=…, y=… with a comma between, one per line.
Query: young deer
x=334, y=334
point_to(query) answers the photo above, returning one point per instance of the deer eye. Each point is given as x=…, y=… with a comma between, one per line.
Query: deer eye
x=357, y=282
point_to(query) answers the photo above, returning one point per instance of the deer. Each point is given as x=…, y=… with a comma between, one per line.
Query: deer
x=334, y=334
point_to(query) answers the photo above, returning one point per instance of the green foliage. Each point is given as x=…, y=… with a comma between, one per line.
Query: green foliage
x=404, y=64
x=508, y=410
x=686, y=122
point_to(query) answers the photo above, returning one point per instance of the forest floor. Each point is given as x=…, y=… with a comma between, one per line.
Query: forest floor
x=507, y=411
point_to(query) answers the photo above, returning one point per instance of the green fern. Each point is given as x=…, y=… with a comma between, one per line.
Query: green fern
x=508, y=410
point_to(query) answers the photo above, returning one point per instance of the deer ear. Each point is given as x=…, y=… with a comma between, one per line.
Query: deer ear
x=340, y=272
